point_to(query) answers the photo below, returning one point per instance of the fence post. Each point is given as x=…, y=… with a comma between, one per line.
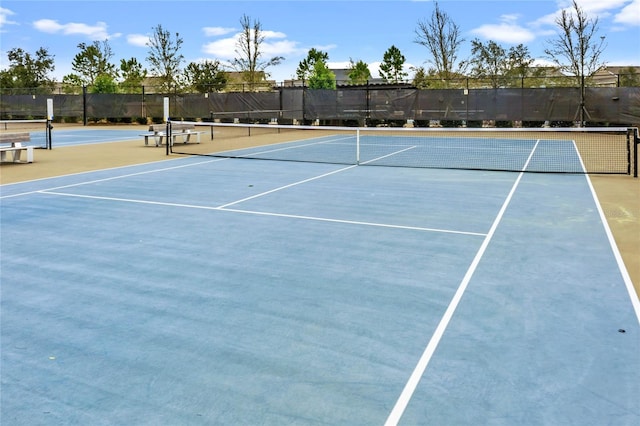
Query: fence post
x=84, y=105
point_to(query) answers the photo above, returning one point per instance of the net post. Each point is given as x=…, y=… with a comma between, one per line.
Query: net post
x=358, y=146
x=48, y=123
x=636, y=145
x=48, y=139
x=167, y=120
x=168, y=137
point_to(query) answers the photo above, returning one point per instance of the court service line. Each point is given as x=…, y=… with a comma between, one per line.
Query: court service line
x=284, y=215
x=389, y=155
x=355, y=222
x=300, y=182
x=411, y=385
x=88, y=182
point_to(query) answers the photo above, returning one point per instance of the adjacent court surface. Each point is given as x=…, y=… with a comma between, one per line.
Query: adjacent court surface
x=198, y=291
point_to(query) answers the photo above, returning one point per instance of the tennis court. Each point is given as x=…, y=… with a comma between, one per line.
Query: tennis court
x=225, y=290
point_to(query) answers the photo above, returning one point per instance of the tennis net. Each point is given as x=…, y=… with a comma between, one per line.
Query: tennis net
x=39, y=130
x=550, y=150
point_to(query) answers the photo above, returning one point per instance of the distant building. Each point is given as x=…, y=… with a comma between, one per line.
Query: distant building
x=613, y=76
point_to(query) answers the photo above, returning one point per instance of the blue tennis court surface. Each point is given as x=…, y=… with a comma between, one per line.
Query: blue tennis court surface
x=198, y=291
x=72, y=136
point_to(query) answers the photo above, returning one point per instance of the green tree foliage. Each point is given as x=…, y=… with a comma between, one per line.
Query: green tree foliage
x=204, y=77
x=28, y=71
x=248, y=47
x=72, y=84
x=429, y=78
x=420, y=78
x=499, y=66
x=133, y=75
x=520, y=62
x=629, y=77
x=306, y=66
x=358, y=72
x=164, y=57
x=488, y=61
x=391, y=68
x=92, y=61
x=322, y=77
x=441, y=36
x=104, y=83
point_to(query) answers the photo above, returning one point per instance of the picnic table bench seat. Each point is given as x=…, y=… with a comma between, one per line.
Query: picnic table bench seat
x=13, y=143
x=178, y=130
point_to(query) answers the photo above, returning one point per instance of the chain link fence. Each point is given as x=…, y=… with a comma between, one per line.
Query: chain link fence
x=364, y=105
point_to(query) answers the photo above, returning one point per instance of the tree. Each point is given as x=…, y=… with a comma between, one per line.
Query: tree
x=488, y=61
x=520, y=62
x=420, y=78
x=206, y=76
x=629, y=77
x=391, y=68
x=577, y=48
x=322, y=77
x=72, y=84
x=164, y=57
x=358, y=72
x=441, y=36
x=93, y=61
x=306, y=66
x=133, y=75
x=497, y=64
x=104, y=83
x=28, y=71
x=248, y=47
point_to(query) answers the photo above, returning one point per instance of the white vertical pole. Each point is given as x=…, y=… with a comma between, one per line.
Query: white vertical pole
x=48, y=124
x=166, y=109
x=358, y=146
x=50, y=109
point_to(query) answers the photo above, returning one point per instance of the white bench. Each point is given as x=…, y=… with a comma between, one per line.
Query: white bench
x=12, y=143
x=178, y=130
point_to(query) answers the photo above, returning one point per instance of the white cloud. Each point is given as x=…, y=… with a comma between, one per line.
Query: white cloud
x=507, y=31
x=282, y=48
x=93, y=32
x=601, y=8
x=221, y=49
x=629, y=15
x=624, y=11
x=4, y=17
x=326, y=47
x=217, y=31
x=274, y=44
x=138, y=40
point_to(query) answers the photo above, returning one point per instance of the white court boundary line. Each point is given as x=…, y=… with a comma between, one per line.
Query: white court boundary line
x=635, y=298
x=89, y=182
x=260, y=213
x=224, y=207
x=421, y=366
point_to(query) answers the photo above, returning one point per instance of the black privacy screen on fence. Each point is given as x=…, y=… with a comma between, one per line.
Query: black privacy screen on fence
x=370, y=105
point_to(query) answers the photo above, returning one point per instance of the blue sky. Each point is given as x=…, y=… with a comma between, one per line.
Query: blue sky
x=357, y=30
